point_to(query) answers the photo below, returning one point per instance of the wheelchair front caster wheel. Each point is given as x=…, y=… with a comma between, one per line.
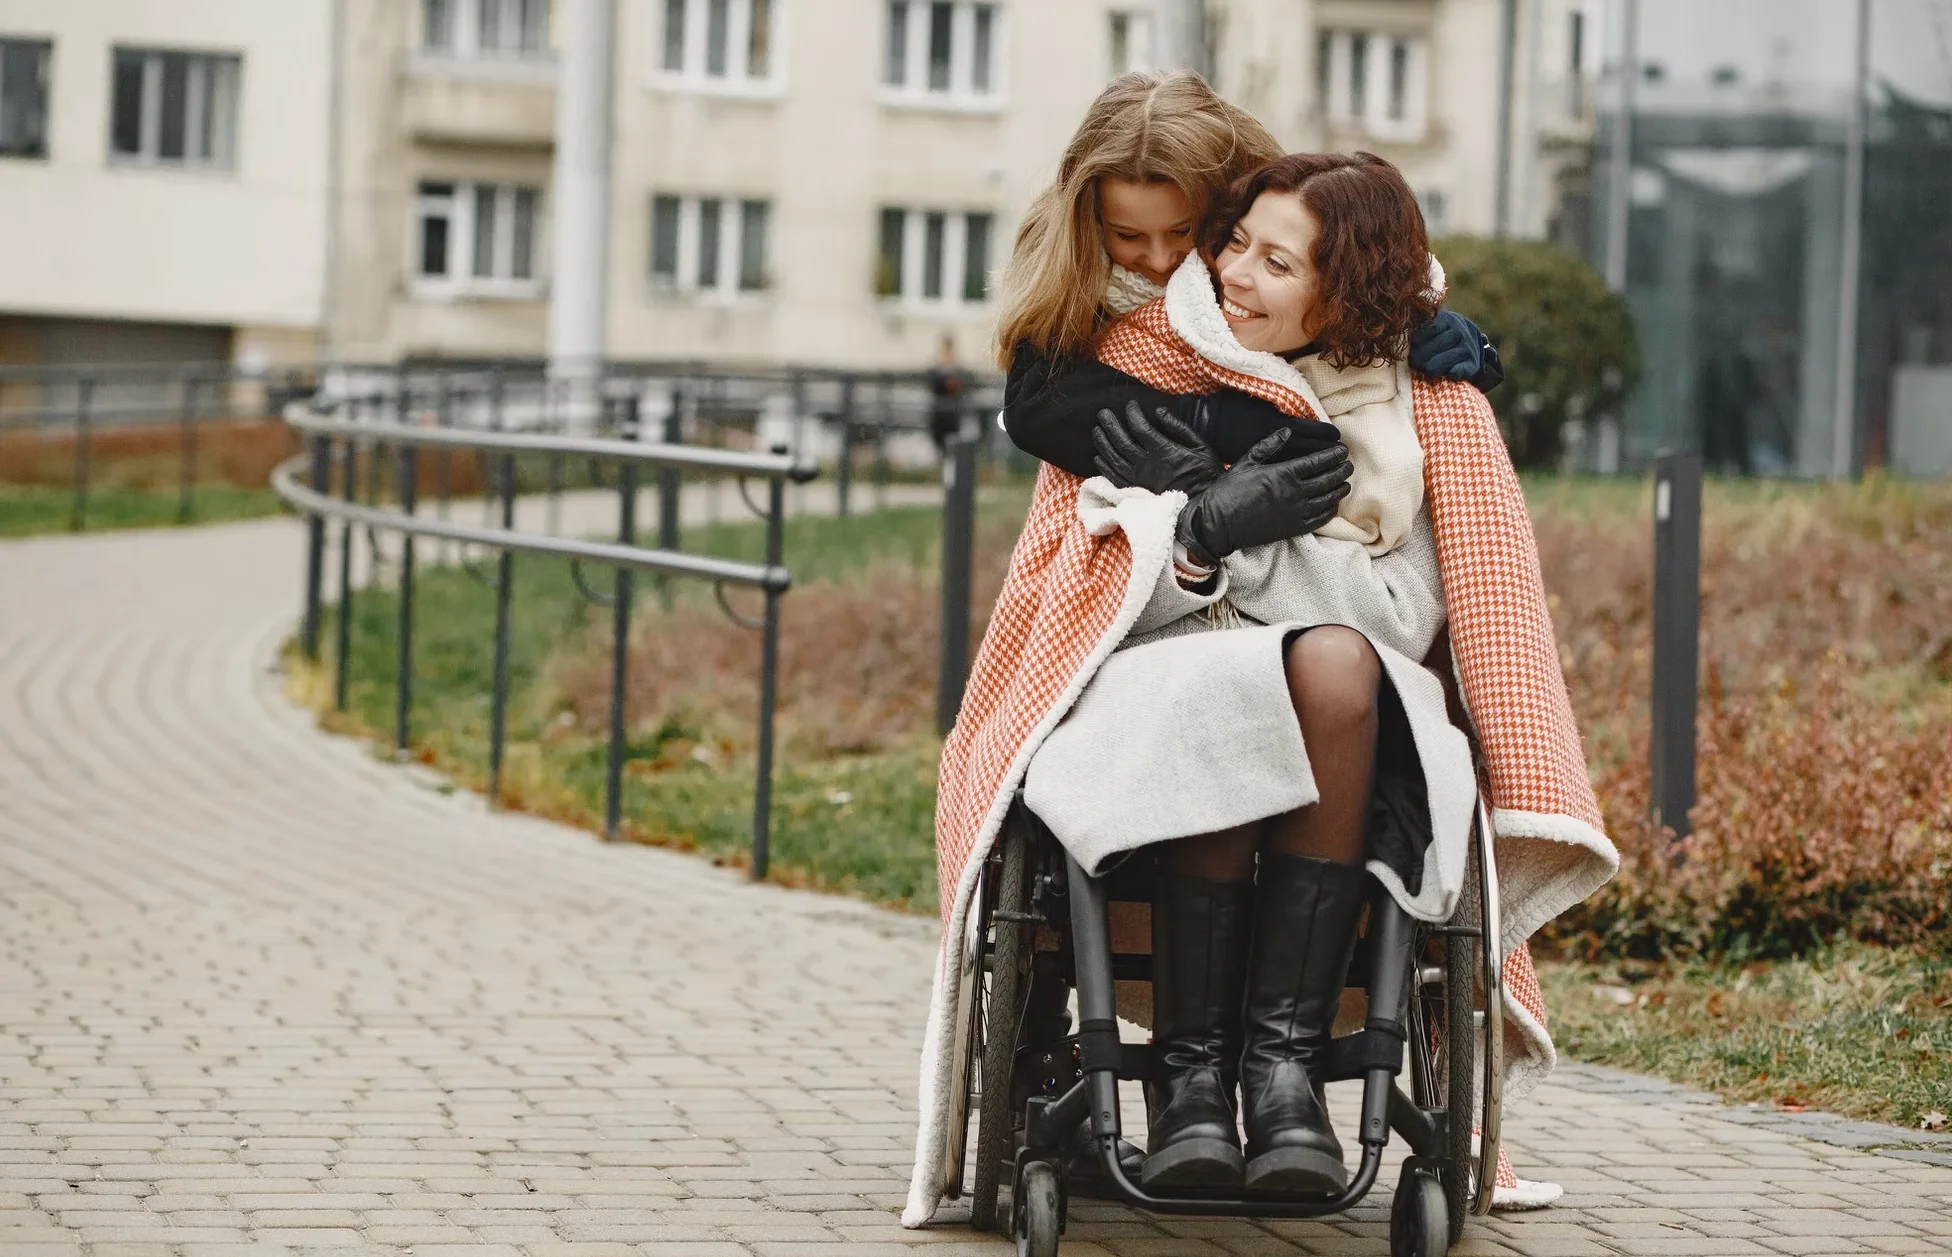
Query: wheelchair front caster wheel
x=1039, y=1211
x=1419, y=1220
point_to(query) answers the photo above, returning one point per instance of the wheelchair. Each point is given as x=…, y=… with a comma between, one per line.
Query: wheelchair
x=1044, y=1101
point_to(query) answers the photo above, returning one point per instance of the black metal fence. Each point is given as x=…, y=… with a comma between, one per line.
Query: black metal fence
x=69, y=413
x=336, y=446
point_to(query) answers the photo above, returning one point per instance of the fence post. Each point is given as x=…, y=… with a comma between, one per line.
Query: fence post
x=315, y=547
x=619, y=672
x=349, y=488
x=958, y=551
x=844, y=466
x=187, y=472
x=1677, y=627
x=670, y=482
x=84, y=415
x=504, y=576
x=762, y=803
x=409, y=473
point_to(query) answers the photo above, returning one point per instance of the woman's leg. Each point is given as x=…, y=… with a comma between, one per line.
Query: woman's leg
x=1307, y=902
x=1200, y=900
x=1334, y=677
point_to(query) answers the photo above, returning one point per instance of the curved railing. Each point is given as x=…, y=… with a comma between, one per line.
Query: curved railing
x=338, y=445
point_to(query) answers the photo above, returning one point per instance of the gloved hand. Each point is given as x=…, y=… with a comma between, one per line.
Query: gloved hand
x=1233, y=422
x=1450, y=346
x=1159, y=454
x=1264, y=498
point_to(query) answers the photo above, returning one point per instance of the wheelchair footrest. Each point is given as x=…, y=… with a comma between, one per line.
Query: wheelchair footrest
x=1354, y=1055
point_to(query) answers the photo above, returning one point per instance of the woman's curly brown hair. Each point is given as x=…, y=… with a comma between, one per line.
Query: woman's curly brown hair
x=1371, y=258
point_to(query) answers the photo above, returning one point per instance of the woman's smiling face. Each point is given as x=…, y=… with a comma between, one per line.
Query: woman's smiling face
x=1148, y=226
x=1268, y=284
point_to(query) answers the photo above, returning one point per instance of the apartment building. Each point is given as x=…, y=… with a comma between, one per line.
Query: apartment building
x=828, y=181
x=162, y=180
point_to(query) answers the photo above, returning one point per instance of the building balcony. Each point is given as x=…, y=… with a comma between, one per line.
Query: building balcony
x=492, y=102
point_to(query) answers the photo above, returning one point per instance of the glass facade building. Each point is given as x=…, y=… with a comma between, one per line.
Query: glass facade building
x=1788, y=258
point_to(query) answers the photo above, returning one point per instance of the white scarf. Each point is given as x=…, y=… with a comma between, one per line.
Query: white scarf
x=1127, y=290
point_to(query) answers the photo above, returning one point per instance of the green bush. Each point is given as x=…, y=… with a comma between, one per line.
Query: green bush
x=1565, y=337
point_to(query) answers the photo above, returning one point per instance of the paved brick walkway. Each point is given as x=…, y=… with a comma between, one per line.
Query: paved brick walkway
x=260, y=993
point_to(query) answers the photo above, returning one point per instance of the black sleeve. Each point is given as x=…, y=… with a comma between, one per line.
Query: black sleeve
x=1050, y=406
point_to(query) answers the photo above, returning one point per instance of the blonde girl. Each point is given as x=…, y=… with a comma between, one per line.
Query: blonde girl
x=1135, y=182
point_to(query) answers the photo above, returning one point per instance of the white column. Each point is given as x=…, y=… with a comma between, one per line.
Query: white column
x=577, y=291
x=1620, y=142
x=1843, y=451
x=1179, y=35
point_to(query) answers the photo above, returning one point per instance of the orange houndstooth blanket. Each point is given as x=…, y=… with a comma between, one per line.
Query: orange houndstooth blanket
x=1078, y=579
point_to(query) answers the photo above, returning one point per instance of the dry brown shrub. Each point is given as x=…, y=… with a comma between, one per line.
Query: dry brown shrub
x=1825, y=735
x=857, y=664
x=236, y=452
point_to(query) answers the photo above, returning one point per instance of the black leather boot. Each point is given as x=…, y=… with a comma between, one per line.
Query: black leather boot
x=1305, y=916
x=1199, y=938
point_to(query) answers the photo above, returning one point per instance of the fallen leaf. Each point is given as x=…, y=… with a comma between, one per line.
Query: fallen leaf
x=1619, y=995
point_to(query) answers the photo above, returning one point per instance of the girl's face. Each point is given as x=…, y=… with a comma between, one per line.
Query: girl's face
x=1148, y=226
x=1268, y=285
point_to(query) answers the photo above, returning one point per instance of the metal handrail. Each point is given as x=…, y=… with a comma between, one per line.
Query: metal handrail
x=649, y=453
x=330, y=437
x=637, y=558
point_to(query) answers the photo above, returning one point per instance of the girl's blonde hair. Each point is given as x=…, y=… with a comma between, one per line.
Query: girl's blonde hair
x=1157, y=128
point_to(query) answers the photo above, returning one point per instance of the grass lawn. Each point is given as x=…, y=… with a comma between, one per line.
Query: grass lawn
x=1856, y=1030
x=29, y=509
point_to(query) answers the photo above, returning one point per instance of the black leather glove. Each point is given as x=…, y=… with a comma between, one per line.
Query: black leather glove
x=1450, y=346
x=1159, y=454
x=1264, y=498
x=1234, y=422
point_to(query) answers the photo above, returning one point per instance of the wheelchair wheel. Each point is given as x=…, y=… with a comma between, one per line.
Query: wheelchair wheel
x=1040, y=1213
x=1004, y=994
x=1460, y=1078
x=1418, y=1226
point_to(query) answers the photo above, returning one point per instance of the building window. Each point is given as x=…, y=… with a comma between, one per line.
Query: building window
x=175, y=108
x=477, y=237
x=719, y=45
x=933, y=257
x=485, y=28
x=23, y=97
x=708, y=244
x=944, y=52
x=1131, y=42
x=1373, y=82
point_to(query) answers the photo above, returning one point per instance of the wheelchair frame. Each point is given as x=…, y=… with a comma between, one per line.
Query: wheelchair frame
x=1437, y=1008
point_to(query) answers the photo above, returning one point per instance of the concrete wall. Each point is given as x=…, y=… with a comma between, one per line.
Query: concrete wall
x=88, y=237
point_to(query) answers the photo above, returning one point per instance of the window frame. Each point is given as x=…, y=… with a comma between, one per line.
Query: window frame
x=464, y=31
x=960, y=95
x=913, y=274
x=1137, y=39
x=464, y=238
x=728, y=274
x=1367, y=107
x=200, y=82
x=692, y=75
x=44, y=75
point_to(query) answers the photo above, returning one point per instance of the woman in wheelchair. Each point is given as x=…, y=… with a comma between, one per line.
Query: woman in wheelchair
x=1273, y=726
x=1220, y=660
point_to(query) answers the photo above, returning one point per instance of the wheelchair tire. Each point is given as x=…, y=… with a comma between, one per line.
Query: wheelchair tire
x=1003, y=1003
x=1460, y=1078
x=1418, y=1221
x=1040, y=1213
